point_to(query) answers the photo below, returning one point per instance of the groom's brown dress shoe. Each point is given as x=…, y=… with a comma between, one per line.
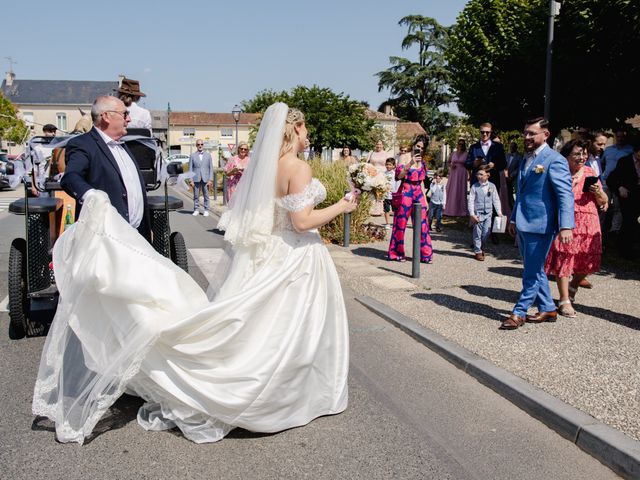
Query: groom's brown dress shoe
x=512, y=322
x=541, y=317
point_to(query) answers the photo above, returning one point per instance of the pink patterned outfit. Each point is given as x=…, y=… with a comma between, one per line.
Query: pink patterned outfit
x=411, y=192
x=457, y=186
x=232, y=180
x=584, y=253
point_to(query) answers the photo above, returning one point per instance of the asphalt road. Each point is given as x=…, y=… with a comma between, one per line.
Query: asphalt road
x=411, y=415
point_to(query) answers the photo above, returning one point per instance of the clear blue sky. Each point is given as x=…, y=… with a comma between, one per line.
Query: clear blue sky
x=210, y=55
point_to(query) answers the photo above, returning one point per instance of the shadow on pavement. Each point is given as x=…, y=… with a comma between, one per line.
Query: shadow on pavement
x=370, y=252
x=503, y=294
x=465, y=306
x=508, y=271
x=620, y=318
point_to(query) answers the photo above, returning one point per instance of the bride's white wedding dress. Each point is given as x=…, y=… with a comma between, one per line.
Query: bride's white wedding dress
x=269, y=352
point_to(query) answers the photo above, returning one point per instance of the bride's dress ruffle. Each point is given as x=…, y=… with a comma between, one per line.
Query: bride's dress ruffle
x=270, y=351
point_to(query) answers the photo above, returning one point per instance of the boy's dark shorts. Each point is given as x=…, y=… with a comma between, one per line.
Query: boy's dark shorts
x=386, y=205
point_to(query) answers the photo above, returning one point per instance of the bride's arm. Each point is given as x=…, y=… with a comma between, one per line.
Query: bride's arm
x=310, y=218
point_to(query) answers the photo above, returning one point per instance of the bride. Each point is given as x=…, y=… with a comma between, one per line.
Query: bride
x=267, y=353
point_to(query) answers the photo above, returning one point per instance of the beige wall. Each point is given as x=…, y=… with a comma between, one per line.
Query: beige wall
x=43, y=114
x=208, y=133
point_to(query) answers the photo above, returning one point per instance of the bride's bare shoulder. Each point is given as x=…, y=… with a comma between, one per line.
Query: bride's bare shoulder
x=290, y=166
x=293, y=174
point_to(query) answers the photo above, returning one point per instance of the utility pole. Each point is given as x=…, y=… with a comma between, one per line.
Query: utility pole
x=554, y=10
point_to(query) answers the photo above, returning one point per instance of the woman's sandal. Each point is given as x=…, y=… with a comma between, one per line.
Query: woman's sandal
x=564, y=311
x=572, y=294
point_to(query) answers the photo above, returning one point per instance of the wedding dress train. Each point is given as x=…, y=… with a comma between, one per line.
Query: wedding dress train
x=269, y=352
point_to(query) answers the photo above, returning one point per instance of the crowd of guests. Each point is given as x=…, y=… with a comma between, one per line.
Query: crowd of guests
x=483, y=184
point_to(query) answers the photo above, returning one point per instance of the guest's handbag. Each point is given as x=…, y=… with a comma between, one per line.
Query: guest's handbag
x=499, y=225
x=396, y=198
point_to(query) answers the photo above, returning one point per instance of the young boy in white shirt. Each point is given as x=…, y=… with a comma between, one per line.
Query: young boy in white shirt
x=390, y=173
x=437, y=196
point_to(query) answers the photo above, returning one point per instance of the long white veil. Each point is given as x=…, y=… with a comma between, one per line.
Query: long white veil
x=249, y=219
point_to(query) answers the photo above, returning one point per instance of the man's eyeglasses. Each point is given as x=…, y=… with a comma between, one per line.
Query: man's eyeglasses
x=199, y=144
x=124, y=114
x=485, y=132
x=528, y=133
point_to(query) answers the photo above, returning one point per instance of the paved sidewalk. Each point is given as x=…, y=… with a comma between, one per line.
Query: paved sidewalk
x=590, y=362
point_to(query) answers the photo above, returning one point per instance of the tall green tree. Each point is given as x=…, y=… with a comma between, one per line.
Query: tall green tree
x=418, y=88
x=496, y=55
x=12, y=128
x=332, y=119
x=596, y=63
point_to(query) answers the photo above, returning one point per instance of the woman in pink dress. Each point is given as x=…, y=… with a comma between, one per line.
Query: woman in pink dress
x=582, y=256
x=457, y=182
x=235, y=167
x=378, y=158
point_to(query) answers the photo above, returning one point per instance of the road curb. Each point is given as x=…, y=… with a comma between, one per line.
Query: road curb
x=612, y=448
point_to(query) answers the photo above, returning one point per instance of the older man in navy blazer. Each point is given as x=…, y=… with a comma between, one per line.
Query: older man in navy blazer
x=98, y=160
x=544, y=206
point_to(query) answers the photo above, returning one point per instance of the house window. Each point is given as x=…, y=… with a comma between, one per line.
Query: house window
x=226, y=132
x=189, y=132
x=61, y=119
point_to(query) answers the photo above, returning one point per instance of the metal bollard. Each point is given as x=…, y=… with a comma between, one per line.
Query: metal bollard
x=346, y=219
x=416, y=220
x=224, y=190
x=215, y=186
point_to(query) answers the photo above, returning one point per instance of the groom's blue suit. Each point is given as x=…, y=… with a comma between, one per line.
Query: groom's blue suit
x=543, y=206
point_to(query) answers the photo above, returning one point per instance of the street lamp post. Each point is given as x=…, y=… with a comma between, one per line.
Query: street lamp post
x=554, y=9
x=236, y=117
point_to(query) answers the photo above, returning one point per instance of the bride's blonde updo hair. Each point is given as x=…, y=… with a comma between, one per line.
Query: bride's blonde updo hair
x=294, y=118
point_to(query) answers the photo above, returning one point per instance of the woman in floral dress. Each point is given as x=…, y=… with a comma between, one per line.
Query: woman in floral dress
x=582, y=256
x=412, y=175
x=235, y=167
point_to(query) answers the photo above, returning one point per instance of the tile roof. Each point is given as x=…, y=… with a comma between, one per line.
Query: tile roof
x=409, y=129
x=373, y=115
x=205, y=118
x=56, y=92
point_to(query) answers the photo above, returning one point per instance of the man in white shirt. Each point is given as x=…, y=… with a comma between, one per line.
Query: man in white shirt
x=98, y=160
x=129, y=92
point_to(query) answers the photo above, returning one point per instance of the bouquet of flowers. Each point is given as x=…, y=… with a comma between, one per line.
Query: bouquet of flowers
x=364, y=177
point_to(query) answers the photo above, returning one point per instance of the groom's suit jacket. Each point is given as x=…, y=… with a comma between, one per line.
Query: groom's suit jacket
x=202, y=170
x=90, y=164
x=544, y=203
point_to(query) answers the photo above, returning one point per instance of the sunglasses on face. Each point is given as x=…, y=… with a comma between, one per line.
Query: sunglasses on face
x=199, y=144
x=485, y=132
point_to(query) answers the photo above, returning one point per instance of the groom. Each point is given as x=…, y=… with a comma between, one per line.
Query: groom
x=543, y=206
x=98, y=160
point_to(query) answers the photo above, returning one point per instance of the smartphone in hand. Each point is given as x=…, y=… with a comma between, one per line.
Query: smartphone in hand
x=588, y=183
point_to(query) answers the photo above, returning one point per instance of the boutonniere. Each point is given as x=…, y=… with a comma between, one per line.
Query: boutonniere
x=538, y=169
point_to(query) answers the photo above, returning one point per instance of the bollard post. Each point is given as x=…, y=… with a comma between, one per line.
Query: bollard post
x=215, y=186
x=346, y=219
x=224, y=189
x=416, y=220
